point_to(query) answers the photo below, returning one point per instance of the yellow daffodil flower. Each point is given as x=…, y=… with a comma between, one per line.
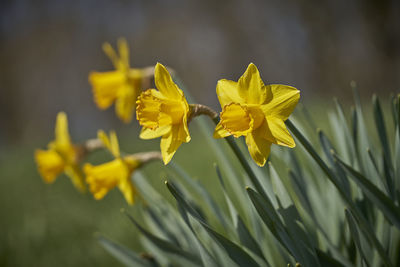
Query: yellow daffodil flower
x=104, y=177
x=61, y=156
x=121, y=86
x=164, y=113
x=256, y=111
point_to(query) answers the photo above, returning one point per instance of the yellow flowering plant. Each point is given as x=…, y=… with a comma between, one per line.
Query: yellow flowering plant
x=104, y=177
x=277, y=224
x=61, y=156
x=121, y=86
x=164, y=113
x=257, y=112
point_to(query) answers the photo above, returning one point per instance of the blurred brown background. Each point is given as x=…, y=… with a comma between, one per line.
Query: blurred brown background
x=48, y=47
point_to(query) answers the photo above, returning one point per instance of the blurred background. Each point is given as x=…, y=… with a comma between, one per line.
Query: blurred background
x=48, y=47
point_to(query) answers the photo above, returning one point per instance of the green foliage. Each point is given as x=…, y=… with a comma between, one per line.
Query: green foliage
x=332, y=201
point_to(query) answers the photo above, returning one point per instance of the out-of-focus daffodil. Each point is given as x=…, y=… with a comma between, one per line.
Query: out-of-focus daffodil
x=61, y=156
x=164, y=113
x=121, y=86
x=256, y=111
x=104, y=177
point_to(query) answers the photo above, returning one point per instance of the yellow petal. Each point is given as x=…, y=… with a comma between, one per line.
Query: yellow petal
x=112, y=55
x=76, y=176
x=147, y=133
x=284, y=100
x=62, y=141
x=171, y=142
x=110, y=143
x=251, y=87
x=184, y=127
x=102, y=178
x=265, y=132
x=175, y=110
x=165, y=84
x=259, y=148
x=227, y=92
x=105, y=86
x=125, y=103
x=128, y=190
x=104, y=139
x=50, y=164
x=220, y=132
x=123, y=50
x=236, y=119
x=280, y=132
x=114, y=144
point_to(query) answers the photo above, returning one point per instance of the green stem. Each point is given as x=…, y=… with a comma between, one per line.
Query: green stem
x=242, y=159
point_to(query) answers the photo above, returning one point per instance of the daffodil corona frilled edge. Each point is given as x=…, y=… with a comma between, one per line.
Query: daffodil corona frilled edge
x=121, y=86
x=257, y=112
x=164, y=113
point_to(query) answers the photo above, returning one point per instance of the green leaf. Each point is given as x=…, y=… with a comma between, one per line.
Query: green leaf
x=358, y=239
x=340, y=174
x=367, y=229
x=381, y=127
x=343, y=128
x=125, y=255
x=237, y=254
x=247, y=239
x=291, y=236
x=197, y=188
x=387, y=159
x=166, y=245
x=386, y=205
x=206, y=257
x=328, y=261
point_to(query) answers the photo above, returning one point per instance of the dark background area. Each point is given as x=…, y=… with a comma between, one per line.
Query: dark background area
x=48, y=48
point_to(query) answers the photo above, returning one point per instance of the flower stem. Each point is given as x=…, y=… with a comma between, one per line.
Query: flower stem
x=145, y=157
x=93, y=144
x=199, y=109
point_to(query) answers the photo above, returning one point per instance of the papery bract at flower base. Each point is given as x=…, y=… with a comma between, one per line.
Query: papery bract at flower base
x=104, y=177
x=256, y=111
x=121, y=86
x=164, y=113
x=61, y=156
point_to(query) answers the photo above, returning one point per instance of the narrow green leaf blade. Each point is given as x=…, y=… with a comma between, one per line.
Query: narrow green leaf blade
x=355, y=233
x=166, y=245
x=237, y=254
x=125, y=255
x=386, y=205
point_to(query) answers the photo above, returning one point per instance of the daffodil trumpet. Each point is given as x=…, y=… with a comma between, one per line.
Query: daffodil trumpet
x=118, y=172
x=256, y=111
x=61, y=156
x=122, y=85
